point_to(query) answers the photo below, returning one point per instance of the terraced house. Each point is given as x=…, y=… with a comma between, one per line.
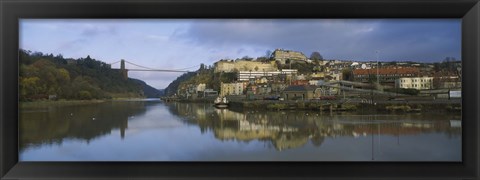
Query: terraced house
x=386, y=76
x=414, y=83
x=231, y=89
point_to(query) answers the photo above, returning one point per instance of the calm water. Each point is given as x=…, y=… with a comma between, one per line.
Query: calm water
x=151, y=130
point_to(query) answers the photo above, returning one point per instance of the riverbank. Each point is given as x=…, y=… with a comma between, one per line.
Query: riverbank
x=42, y=104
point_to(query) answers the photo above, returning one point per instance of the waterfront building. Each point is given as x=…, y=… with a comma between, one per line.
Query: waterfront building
x=414, y=83
x=296, y=92
x=231, y=89
x=263, y=89
x=210, y=93
x=201, y=87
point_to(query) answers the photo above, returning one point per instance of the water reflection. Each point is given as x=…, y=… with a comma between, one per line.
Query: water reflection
x=153, y=130
x=51, y=125
x=292, y=129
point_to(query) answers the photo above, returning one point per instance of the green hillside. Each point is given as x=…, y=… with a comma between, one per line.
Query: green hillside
x=44, y=75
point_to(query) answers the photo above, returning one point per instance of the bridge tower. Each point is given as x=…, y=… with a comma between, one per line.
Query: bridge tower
x=123, y=70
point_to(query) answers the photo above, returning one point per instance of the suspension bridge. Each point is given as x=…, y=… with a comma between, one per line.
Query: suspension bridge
x=137, y=67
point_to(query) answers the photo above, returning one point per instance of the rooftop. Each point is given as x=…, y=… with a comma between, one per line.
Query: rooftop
x=383, y=71
x=300, y=88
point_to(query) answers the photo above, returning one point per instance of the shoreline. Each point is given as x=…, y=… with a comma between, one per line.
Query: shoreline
x=394, y=107
x=72, y=102
x=39, y=104
x=410, y=107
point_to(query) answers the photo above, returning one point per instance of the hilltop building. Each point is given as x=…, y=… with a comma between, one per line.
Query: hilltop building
x=282, y=56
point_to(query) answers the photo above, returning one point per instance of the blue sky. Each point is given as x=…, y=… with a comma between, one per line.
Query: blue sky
x=181, y=43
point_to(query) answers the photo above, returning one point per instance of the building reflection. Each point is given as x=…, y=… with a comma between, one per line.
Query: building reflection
x=293, y=129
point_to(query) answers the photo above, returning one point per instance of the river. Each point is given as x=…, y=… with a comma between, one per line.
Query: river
x=151, y=130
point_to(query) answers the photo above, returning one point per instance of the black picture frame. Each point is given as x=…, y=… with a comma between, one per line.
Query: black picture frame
x=12, y=11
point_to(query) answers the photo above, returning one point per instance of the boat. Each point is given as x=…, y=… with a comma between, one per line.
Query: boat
x=221, y=102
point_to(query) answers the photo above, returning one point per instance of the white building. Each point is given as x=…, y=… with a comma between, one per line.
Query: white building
x=201, y=87
x=246, y=75
x=414, y=82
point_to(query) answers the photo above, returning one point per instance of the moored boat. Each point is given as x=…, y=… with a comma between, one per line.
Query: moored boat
x=221, y=102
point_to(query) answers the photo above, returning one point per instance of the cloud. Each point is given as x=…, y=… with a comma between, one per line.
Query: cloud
x=73, y=45
x=90, y=30
x=302, y=33
x=156, y=37
x=178, y=43
x=333, y=38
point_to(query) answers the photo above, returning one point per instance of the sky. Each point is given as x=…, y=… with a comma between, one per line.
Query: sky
x=183, y=43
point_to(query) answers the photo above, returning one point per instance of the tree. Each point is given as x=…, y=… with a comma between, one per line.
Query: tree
x=247, y=58
x=278, y=64
x=316, y=56
x=437, y=67
x=84, y=95
x=42, y=74
x=289, y=62
x=268, y=54
x=202, y=67
x=28, y=86
x=263, y=59
x=63, y=76
x=347, y=74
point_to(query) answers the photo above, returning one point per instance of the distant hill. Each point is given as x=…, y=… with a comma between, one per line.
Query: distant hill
x=162, y=92
x=148, y=91
x=173, y=86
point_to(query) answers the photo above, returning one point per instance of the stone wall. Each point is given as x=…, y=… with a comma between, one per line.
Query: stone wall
x=232, y=66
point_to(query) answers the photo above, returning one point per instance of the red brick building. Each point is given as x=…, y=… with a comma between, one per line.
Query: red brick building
x=386, y=75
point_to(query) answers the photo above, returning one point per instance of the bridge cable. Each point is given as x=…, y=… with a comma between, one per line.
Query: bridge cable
x=113, y=62
x=159, y=69
x=186, y=68
x=140, y=66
